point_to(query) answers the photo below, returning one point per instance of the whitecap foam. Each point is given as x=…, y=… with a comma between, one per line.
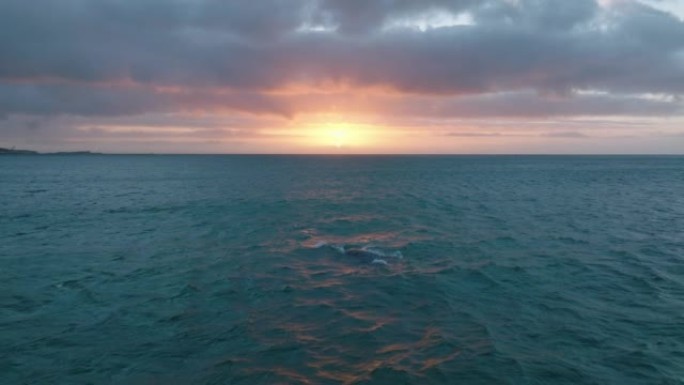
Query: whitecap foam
x=319, y=244
x=383, y=253
x=338, y=248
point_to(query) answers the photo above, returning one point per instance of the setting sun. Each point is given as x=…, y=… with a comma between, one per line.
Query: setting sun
x=341, y=135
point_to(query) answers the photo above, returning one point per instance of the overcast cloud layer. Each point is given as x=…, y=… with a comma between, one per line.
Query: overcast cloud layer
x=282, y=59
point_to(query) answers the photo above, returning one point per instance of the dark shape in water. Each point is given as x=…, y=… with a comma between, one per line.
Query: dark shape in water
x=364, y=255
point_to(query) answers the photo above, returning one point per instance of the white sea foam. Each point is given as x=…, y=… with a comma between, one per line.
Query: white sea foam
x=338, y=248
x=383, y=253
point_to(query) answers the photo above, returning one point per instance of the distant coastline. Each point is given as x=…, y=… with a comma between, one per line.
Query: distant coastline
x=12, y=151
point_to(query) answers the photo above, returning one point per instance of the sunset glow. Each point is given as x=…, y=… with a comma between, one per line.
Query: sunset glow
x=341, y=135
x=312, y=76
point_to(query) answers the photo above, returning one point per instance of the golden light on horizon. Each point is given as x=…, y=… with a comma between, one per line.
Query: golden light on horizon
x=350, y=134
x=340, y=135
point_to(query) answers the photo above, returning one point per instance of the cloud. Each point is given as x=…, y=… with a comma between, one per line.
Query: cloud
x=551, y=44
x=74, y=99
x=552, y=134
x=283, y=58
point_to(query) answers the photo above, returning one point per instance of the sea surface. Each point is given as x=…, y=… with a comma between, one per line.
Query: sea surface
x=341, y=270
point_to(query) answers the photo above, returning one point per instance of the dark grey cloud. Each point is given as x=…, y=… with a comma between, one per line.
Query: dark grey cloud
x=65, y=99
x=76, y=56
x=70, y=99
x=552, y=134
x=531, y=105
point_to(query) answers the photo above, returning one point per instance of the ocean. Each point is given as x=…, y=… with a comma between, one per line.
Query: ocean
x=310, y=270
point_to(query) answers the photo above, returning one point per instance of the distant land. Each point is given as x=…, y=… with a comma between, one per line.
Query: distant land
x=12, y=151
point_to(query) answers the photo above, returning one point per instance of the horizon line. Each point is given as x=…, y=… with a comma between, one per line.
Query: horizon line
x=88, y=153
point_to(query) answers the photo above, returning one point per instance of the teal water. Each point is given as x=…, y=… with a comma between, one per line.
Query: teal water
x=238, y=270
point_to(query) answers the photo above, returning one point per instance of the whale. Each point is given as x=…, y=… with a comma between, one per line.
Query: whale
x=364, y=255
x=367, y=254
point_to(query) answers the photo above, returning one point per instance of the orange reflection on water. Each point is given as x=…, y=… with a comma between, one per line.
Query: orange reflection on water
x=387, y=238
x=433, y=362
x=290, y=375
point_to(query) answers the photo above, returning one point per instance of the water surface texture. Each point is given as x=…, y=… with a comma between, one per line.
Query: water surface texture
x=341, y=270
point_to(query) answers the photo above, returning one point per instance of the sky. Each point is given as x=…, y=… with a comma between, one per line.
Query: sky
x=343, y=76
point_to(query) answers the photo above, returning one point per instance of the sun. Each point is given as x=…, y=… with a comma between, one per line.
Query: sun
x=339, y=135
